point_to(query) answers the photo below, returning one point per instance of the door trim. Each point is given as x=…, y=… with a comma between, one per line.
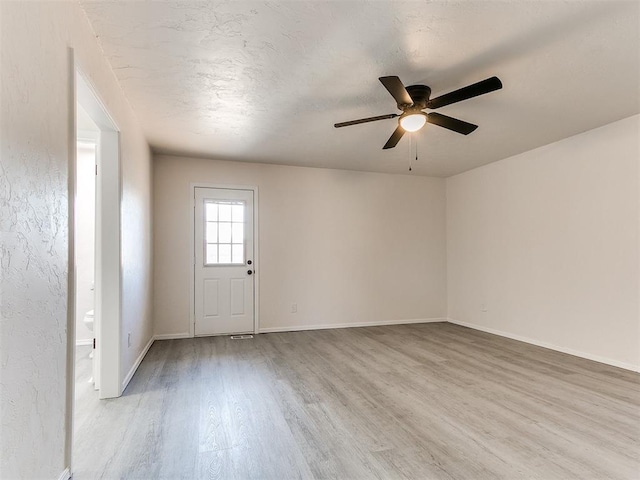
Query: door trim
x=256, y=251
x=108, y=279
x=81, y=91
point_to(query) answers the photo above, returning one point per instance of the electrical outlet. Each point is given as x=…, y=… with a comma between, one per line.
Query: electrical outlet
x=483, y=307
x=129, y=339
x=294, y=308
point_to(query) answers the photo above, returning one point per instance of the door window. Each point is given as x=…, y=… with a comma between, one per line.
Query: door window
x=224, y=232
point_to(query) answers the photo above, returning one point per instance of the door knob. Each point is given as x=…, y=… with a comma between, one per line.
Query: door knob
x=248, y=262
x=249, y=272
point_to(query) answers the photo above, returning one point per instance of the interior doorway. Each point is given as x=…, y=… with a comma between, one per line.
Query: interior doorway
x=107, y=285
x=94, y=233
x=87, y=135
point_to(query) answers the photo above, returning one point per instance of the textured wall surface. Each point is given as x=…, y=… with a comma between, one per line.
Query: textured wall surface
x=34, y=245
x=35, y=124
x=547, y=243
x=346, y=247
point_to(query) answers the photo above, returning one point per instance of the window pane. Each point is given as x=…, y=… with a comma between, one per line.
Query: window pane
x=237, y=230
x=225, y=232
x=238, y=253
x=237, y=213
x=211, y=212
x=225, y=254
x=212, y=232
x=212, y=253
x=225, y=212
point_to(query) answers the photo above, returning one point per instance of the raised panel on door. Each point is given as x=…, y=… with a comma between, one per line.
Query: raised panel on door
x=211, y=297
x=237, y=294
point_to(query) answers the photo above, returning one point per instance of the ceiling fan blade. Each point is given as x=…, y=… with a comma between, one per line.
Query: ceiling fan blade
x=480, y=88
x=397, y=90
x=365, y=120
x=394, y=138
x=451, y=123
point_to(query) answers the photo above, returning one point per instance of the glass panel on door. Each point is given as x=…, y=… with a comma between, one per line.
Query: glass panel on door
x=224, y=232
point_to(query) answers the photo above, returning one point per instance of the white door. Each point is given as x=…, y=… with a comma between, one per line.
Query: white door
x=224, y=281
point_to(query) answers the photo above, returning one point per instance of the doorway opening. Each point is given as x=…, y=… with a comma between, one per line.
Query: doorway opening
x=107, y=292
x=87, y=137
x=94, y=333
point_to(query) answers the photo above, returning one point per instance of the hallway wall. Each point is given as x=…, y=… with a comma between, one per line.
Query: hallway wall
x=36, y=121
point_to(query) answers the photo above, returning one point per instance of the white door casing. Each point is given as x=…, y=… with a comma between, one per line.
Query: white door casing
x=108, y=260
x=223, y=261
x=108, y=270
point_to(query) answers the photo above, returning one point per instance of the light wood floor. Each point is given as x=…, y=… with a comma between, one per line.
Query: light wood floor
x=414, y=401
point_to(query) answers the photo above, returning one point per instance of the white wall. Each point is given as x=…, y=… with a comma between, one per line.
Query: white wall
x=346, y=247
x=85, y=215
x=548, y=241
x=37, y=131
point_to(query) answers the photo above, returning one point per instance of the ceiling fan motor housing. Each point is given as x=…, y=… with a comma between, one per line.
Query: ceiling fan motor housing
x=420, y=95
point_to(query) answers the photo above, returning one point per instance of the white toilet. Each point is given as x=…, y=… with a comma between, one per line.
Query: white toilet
x=88, y=321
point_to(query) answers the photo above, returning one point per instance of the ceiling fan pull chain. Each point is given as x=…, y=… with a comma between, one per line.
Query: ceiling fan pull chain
x=410, y=150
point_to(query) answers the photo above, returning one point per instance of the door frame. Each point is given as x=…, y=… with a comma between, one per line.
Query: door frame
x=108, y=257
x=192, y=252
x=108, y=281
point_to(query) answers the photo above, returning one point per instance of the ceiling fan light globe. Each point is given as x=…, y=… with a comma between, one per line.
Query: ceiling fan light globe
x=413, y=122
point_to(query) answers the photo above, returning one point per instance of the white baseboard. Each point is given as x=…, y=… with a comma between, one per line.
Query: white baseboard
x=80, y=343
x=172, y=336
x=144, y=353
x=297, y=328
x=137, y=363
x=550, y=346
x=66, y=475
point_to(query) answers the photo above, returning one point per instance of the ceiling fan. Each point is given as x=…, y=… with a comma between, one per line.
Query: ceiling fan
x=412, y=100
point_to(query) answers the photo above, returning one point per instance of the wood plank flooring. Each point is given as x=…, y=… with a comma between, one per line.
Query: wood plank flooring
x=430, y=401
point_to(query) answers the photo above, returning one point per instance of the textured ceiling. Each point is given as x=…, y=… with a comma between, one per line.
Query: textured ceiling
x=265, y=82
